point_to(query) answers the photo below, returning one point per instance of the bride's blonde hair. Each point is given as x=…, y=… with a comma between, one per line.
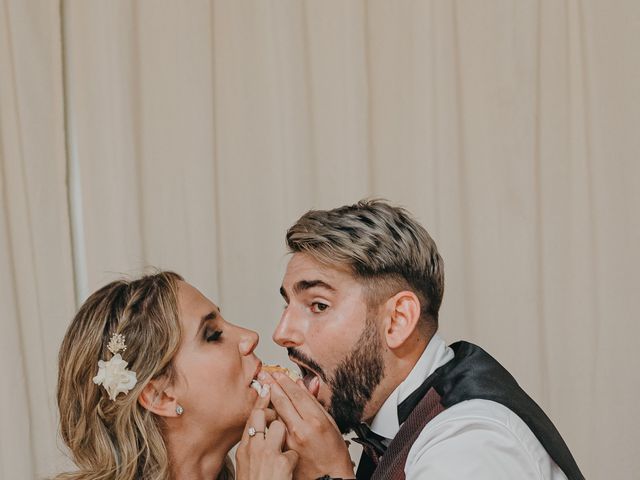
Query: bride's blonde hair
x=119, y=440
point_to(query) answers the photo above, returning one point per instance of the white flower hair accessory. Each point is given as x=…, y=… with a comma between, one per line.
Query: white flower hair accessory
x=113, y=374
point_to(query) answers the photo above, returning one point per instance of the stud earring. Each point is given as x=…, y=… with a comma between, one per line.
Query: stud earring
x=179, y=410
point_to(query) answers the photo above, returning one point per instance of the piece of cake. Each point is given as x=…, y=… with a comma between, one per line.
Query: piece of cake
x=255, y=384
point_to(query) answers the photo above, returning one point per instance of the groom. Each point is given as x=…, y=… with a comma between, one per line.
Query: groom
x=362, y=290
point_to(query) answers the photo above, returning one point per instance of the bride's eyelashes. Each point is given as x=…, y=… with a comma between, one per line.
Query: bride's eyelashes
x=212, y=336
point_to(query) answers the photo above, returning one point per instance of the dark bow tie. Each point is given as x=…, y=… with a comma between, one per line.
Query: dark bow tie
x=371, y=442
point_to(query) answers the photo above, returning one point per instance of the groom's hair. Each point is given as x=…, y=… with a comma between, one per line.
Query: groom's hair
x=382, y=245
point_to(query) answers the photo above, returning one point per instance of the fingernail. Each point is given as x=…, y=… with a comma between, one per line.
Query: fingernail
x=262, y=376
x=277, y=375
x=265, y=391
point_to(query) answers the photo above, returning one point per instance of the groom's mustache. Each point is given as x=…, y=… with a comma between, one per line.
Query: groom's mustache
x=307, y=362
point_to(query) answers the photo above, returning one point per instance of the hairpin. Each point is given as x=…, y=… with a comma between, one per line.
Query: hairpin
x=113, y=374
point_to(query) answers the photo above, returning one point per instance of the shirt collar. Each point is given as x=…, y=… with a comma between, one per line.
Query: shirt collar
x=436, y=354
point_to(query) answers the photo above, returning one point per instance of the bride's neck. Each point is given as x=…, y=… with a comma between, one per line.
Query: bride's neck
x=195, y=458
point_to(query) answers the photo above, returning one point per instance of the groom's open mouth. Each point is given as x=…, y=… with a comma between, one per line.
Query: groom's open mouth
x=310, y=378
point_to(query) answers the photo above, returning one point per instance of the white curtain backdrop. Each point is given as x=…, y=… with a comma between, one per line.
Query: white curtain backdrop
x=190, y=134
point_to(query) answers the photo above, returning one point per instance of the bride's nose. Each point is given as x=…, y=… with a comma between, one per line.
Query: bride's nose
x=248, y=341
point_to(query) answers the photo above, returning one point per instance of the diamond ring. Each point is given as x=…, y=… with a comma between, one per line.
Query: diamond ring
x=252, y=432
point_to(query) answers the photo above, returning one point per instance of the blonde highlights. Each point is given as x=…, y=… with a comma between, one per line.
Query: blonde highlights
x=119, y=440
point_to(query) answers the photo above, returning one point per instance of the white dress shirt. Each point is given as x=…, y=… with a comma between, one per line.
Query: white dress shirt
x=474, y=439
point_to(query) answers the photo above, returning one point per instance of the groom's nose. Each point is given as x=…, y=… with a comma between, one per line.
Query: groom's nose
x=288, y=333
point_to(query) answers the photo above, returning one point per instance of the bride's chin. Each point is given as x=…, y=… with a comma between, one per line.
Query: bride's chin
x=249, y=401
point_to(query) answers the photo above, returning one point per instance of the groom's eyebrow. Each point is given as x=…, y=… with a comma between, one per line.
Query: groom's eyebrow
x=283, y=292
x=303, y=285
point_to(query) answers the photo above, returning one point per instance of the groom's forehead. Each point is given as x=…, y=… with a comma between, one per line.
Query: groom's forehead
x=305, y=273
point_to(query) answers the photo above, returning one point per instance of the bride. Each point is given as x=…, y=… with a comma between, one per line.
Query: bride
x=154, y=383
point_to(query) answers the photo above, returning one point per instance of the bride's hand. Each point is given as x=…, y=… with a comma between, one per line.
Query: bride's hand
x=259, y=455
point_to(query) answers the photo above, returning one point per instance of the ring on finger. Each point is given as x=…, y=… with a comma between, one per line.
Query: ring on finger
x=252, y=432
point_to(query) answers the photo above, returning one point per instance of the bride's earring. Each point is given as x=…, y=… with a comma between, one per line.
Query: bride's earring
x=179, y=410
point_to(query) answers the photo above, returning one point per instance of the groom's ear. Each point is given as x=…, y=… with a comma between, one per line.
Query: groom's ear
x=402, y=313
x=158, y=399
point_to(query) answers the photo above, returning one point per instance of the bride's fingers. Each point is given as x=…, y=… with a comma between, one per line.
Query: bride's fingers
x=275, y=436
x=292, y=459
x=270, y=415
x=263, y=398
x=255, y=427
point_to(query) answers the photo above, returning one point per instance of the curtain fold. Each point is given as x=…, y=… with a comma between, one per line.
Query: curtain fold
x=37, y=280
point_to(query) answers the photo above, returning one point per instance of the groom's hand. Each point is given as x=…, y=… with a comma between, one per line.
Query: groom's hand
x=311, y=431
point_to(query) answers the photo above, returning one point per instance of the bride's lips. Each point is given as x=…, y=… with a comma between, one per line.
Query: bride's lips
x=255, y=374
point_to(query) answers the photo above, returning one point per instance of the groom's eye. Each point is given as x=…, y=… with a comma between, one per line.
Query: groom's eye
x=318, y=307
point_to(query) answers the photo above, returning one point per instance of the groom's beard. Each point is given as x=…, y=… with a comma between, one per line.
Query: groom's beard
x=356, y=377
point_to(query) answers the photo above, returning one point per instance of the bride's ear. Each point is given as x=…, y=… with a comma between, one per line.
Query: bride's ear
x=156, y=398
